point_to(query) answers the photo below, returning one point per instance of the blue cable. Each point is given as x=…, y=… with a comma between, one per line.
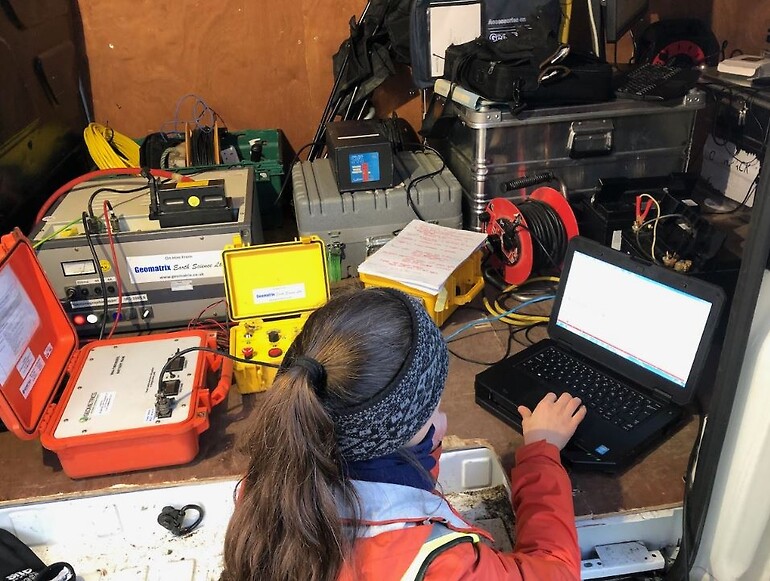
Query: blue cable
x=498, y=317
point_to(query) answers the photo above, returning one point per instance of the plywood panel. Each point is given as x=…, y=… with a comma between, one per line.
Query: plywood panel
x=743, y=25
x=258, y=63
x=660, y=9
x=263, y=63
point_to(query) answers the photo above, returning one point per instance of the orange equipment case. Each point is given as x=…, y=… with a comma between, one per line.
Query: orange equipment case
x=39, y=349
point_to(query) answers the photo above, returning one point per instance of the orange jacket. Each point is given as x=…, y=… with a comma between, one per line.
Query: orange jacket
x=546, y=539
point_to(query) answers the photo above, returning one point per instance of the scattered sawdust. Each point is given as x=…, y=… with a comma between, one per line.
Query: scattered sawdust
x=489, y=508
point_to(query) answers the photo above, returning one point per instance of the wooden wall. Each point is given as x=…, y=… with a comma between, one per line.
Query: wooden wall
x=742, y=24
x=258, y=63
x=267, y=63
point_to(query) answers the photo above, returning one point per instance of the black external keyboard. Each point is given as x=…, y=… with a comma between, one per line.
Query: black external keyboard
x=650, y=82
x=599, y=392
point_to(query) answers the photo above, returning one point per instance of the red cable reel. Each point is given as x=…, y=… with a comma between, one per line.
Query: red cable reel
x=513, y=244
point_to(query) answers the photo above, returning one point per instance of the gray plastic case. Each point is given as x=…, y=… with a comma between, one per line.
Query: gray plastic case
x=355, y=224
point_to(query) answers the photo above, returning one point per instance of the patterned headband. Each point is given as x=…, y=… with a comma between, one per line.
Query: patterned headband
x=388, y=421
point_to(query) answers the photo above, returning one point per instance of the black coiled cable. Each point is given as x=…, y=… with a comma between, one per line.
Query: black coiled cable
x=202, y=147
x=548, y=232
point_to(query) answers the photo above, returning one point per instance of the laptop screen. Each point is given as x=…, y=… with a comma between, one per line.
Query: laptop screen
x=650, y=324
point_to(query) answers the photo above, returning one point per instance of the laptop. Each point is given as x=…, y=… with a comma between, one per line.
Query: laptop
x=630, y=338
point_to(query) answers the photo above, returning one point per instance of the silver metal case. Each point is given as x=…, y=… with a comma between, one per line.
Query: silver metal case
x=580, y=144
x=353, y=225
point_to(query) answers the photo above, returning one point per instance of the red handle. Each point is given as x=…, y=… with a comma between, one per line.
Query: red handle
x=219, y=393
x=209, y=398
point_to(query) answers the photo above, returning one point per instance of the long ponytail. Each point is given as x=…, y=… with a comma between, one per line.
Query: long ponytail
x=302, y=536
x=286, y=523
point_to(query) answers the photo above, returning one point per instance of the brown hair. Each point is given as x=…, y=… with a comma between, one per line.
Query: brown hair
x=286, y=525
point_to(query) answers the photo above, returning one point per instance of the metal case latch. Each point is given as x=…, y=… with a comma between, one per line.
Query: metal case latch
x=590, y=138
x=374, y=243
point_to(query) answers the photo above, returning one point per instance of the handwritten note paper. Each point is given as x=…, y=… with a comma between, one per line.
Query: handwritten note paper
x=423, y=255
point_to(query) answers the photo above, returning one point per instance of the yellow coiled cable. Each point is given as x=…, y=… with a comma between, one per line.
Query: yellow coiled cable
x=110, y=149
x=519, y=319
x=566, y=20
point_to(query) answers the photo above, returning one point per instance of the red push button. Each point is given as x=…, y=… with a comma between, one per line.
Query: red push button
x=248, y=352
x=275, y=352
x=79, y=320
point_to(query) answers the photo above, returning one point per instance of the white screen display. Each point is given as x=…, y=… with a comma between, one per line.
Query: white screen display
x=648, y=323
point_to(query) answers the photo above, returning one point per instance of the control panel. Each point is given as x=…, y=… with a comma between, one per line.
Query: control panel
x=118, y=387
x=262, y=340
x=162, y=277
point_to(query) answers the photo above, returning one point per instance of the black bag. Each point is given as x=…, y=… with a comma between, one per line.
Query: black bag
x=501, y=20
x=19, y=563
x=526, y=72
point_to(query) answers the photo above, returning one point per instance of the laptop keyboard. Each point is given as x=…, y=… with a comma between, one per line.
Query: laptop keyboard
x=599, y=392
x=657, y=82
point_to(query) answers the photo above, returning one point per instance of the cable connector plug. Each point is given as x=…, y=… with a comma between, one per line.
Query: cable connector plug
x=670, y=259
x=172, y=519
x=163, y=407
x=112, y=217
x=91, y=224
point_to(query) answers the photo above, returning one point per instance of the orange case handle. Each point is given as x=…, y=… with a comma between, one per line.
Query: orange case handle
x=219, y=393
x=209, y=398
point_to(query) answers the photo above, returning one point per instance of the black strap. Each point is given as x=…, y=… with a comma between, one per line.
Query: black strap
x=432, y=118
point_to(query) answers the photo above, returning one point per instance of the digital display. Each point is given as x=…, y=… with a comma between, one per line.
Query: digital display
x=78, y=267
x=364, y=167
x=653, y=325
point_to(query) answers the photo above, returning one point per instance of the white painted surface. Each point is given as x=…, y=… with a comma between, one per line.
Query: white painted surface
x=117, y=537
x=735, y=542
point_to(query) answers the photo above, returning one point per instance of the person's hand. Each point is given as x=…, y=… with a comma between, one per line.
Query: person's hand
x=553, y=420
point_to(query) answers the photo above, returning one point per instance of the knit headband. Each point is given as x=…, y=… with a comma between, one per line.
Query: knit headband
x=388, y=421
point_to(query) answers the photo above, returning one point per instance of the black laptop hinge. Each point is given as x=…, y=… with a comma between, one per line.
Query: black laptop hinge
x=661, y=394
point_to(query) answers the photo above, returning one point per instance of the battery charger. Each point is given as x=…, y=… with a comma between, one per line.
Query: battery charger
x=361, y=153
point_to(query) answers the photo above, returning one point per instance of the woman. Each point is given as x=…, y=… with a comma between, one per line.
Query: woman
x=339, y=483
